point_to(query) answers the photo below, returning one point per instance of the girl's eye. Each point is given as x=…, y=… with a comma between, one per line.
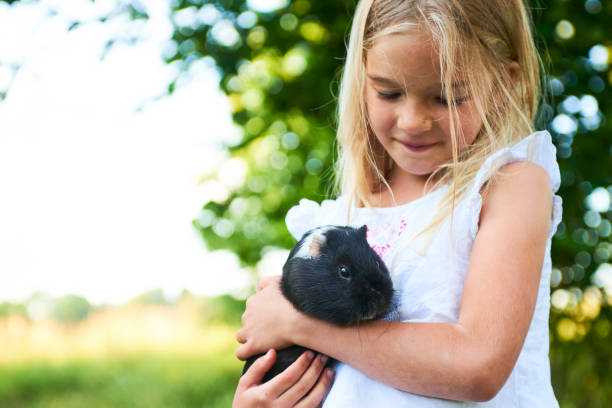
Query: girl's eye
x=388, y=95
x=443, y=101
x=344, y=273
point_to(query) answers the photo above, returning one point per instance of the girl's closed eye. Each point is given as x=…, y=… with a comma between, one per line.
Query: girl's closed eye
x=388, y=95
x=443, y=101
x=396, y=95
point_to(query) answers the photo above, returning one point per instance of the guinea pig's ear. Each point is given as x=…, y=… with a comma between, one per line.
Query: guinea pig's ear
x=363, y=231
x=315, y=244
x=311, y=244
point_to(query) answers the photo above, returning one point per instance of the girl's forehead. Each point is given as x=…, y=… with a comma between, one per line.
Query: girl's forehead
x=406, y=58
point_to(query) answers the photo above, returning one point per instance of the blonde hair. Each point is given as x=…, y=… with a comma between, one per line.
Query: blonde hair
x=476, y=40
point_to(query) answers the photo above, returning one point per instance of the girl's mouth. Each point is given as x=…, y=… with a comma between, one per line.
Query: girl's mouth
x=418, y=147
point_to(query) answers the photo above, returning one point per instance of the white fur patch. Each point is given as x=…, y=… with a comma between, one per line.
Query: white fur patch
x=311, y=247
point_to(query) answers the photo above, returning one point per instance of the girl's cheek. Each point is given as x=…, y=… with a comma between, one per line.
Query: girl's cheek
x=376, y=115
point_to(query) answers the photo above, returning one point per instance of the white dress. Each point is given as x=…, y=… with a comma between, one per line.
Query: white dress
x=430, y=286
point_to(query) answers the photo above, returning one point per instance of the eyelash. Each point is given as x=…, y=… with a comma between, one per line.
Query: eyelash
x=441, y=101
x=388, y=96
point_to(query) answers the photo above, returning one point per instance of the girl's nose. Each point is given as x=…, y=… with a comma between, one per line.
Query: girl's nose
x=413, y=116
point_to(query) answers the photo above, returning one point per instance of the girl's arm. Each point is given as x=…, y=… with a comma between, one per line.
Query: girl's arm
x=469, y=360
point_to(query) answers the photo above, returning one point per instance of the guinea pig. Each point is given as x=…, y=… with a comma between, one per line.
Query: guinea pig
x=333, y=274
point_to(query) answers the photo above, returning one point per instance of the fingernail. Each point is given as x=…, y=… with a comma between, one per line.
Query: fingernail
x=323, y=358
x=330, y=373
x=309, y=355
x=269, y=353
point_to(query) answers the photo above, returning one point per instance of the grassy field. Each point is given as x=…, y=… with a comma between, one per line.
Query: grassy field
x=133, y=356
x=182, y=355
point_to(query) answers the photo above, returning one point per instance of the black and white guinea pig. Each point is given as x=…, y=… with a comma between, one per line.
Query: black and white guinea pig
x=333, y=274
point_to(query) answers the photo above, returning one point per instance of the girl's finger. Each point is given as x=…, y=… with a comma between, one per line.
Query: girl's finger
x=315, y=396
x=265, y=282
x=241, y=336
x=285, y=380
x=306, y=382
x=242, y=352
x=257, y=370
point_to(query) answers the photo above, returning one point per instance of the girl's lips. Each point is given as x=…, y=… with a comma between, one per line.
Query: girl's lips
x=418, y=147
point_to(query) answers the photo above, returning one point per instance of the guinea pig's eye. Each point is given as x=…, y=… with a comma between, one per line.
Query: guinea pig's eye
x=344, y=272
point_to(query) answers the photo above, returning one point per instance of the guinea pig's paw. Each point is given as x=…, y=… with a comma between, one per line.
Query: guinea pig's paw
x=394, y=311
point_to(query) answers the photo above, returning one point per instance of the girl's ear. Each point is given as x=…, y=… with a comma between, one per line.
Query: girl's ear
x=513, y=69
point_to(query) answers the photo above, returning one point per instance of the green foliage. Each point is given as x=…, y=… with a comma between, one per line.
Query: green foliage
x=65, y=309
x=278, y=76
x=70, y=308
x=155, y=296
x=581, y=368
x=7, y=308
x=223, y=309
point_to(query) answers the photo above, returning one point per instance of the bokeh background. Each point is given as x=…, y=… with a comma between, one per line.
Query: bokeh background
x=149, y=151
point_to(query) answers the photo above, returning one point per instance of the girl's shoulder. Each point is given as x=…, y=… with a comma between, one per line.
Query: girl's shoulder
x=521, y=192
x=537, y=148
x=527, y=168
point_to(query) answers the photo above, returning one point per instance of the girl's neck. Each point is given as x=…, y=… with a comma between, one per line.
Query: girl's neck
x=406, y=187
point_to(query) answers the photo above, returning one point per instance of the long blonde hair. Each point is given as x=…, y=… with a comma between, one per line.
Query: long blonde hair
x=476, y=40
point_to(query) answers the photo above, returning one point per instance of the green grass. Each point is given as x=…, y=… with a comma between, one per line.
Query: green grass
x=138, y=355
x=148, y=380
x=111, y=359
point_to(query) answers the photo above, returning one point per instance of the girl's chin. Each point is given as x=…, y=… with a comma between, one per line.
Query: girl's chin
x=418, y=171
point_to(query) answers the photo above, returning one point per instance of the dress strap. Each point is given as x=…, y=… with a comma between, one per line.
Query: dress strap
x=536, y=148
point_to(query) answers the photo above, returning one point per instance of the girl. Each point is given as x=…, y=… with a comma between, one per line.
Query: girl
x=438, y=156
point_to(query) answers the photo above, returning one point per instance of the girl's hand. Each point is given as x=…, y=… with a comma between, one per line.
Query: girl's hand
x=303, y=384
x=267, y=321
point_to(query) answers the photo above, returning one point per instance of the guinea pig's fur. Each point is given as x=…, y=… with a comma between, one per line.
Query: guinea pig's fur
x=333, y=274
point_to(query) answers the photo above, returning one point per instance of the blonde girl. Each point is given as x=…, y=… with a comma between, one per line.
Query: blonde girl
x=439, y=158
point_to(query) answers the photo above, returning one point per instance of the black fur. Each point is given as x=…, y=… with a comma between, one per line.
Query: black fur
x=318, y=287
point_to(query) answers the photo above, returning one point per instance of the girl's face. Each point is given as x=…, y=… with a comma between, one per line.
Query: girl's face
x=406, y=106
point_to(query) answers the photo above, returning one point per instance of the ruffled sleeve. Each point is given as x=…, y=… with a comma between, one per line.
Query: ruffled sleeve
x=309, y=214
x=536, y=148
